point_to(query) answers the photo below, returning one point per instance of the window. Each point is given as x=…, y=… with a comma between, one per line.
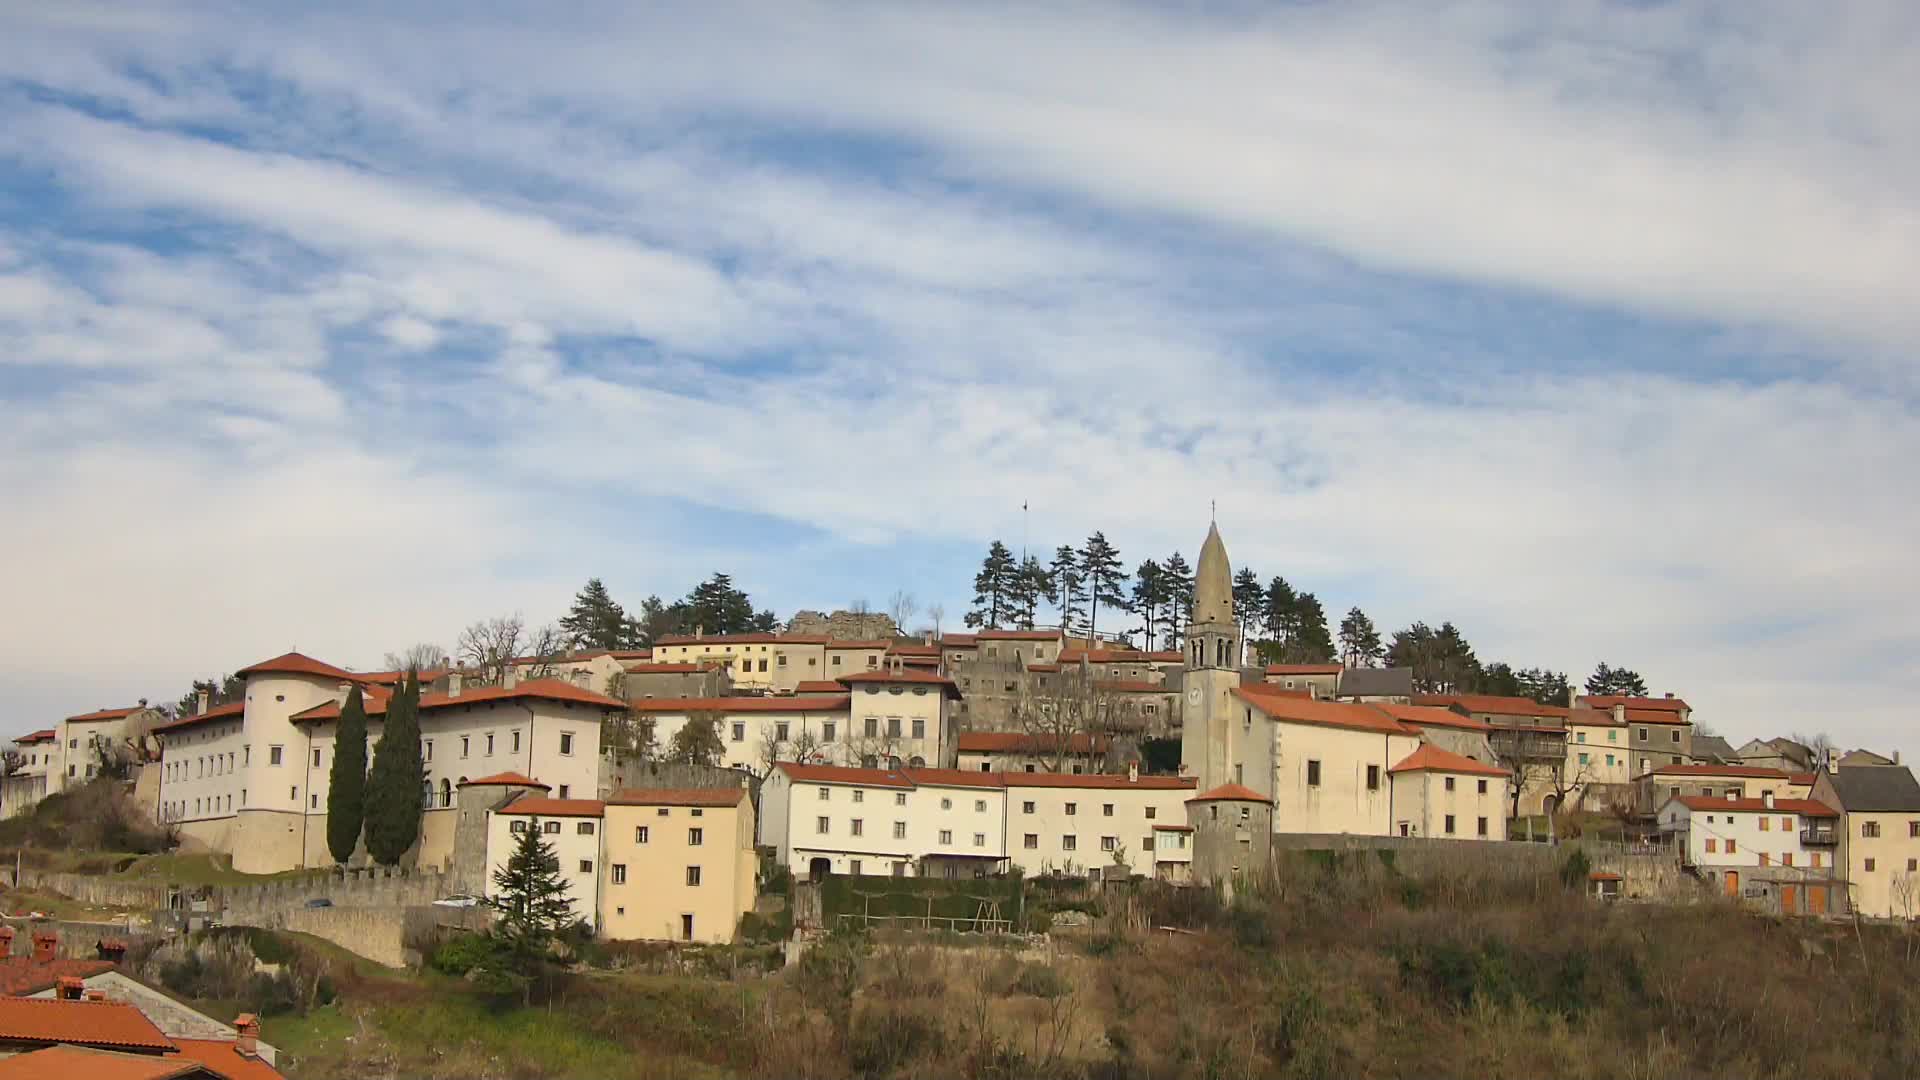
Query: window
x=979, y=806
x=899, y=798
x=1481, y=826
x=1814, y=859
x=246, y=754
x=1030, y=841
x=316, y=757
x=1712, y=845
x=873, y=727
x=1913, y=865
x=779, y=728
x=550, y=827
x=514, y=741
x=859, y=796
x=1609, y=760
x=1449, y=788
x=739, y=732
x=1766, y=824
x=1913, y=828
x=946, y=837
x=662, y=812
x=853, y=865
x=1786, y=858
x=426, y=750
x=1026, y=807
x=824, y=793
x=1731, y=845
x=639, y=834
x=489, y=744
x=899, y=830
x=566, y=745
x=859, y=827
x=686, y=921
x=979, y=839
x=893, y=727
x=585, y=828
x=586, y=866
x=521, y=826
x=620, y=875
x=1870, y=829
x=1766, y=859
x=835, y=659
x=293, y=795
x=820, y=825
x=780, y=660
x=1313, y=773
x=827, y=731
x=1069, y=842
x=1449, y=824
x=466, y=745
x=1108, y=843
x=1580, y=737
x=273, y=755
x=1641, y=734
x=1676, y=738
x=695, y=837
x=1073, y=809
x=1869, y=866
x=946, y=804
x=1373, y=778
x=693, y=878
x=1106, y=809
x=1583, y=759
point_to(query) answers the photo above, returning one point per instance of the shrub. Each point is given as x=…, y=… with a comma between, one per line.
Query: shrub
x=1573, y=872
x=886, y=1038
x=1041, y=981
x=463, y=953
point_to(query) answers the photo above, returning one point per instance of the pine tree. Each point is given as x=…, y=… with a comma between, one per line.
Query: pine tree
x=1063, y=588
x=697, y=742
x=1311, y=643
x=1179, y=607
x=716, y=607
x=1029, y=588
x=1248, y=600
x=596, y=621
x=993, y=589
x=1500, y=680
x=1149, y=597
x=394, y=787
x=1607, y=680
x=530, y=896
x=1544, y=686
x=347, y=781
x=1281, y=616
x=1359, y=640
x=1100, y=566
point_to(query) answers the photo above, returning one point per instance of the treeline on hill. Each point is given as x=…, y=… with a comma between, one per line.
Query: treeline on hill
x=1283, y=624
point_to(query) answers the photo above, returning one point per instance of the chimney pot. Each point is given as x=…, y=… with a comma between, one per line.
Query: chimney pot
x=1133, y=772
x=96, y=995
x=46, y=945
x=454, y=681
x=509, y=677
x=247, y=1035
x=206, y=702
x=69, y=988
x=1766, y=799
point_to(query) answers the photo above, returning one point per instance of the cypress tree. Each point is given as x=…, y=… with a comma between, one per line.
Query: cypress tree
x=347, y=782
x=394, y=786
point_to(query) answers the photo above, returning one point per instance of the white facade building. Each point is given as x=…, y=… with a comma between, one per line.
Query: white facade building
x=573, y=827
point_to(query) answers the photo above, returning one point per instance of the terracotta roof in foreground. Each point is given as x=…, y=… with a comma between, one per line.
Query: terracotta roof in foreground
x=1096, y=780
x=1493, y=704
x=221, y=1056
x=818, y=686
x=21, y=976
x=539, y=689
x=1754, y=772
x=541, y=806
x=1429, y=716
x=105, y=714
x=1004, y=742
x=43, y=735
x=1430, y=758
x=1230, y=793
x=744, y=639
x=294, y=663
x=842, y=774
x=85, y=1063
x=954, y=778
x=1802, y=807
x=229, y=711
x=506, y=779
x=1322, y=713
x=112, y=1024
x=1608, y=701
x=795, y=704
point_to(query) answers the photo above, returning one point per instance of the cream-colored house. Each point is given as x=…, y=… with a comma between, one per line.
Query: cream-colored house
x=22, y=789
x=679, y=864
x=1066, y=824
x=829, y=819
x=1761, y=848
x=1878, y=842
x=571, y=827
x=773, y=663
x=1019, y=751
x=1443, y=795
x=1323, y=763
x=1320, y=680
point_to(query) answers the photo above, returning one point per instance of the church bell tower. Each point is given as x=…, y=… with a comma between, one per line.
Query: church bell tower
x=1208, y=734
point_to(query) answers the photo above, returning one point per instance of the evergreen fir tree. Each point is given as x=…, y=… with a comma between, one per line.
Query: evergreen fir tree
x=394, y=787
x=1249, y=600
x=1064, y=583
x=1311, y=642
x=993, y=589
x=1607, y=680
x=1029, y=588
x=597, y=622
x=530, y=893
x=1280, y=616
x=347, y=780
x=716, y=607
x=1179, y=606
x=1360, y=640
x=1100, y=567
x=1149, y=597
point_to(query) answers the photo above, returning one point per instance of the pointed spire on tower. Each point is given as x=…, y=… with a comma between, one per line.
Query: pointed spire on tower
x=1213, y=581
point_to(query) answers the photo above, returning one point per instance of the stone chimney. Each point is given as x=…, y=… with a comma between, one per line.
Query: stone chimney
x=1766, y=798
x=69, y=988
x=246, y=1041
x=1619, y=714
x=1133, y=772
x=46, y=946
x=1733, y=794
x=699, y=630
x=96, y=995
x=206, y=702
x=112, y=950
x=509, y=676
x=341, y=693
x=454, y=681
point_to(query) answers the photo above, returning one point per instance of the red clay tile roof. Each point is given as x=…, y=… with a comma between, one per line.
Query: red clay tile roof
x=1270, y=690
x=873, y=645
x=530, y=805
x=718, y=797
x=1304, y=669
x=1230, y=793
x=954, y=778
x=506, y=779
x=83, y=1063
x=20, y=976
x=1803, y=779
x=840, y=774
x=1653, y=716
x=1802, y=807
x=220, y=1056
x=744, y=639
x=904, y=649
x=1131, y=686
x=1430, y=758
x=922, y=678
x=1493, y=704
x=1089, y=780
x=1017, y=635
x=1118, y=656
x=797, y=703
x=1585, y=717
x=82, y=1023
x=818, y=686
x=1753, y=771
x=229, y=711
x=1608, y=701
x=958, y=641
x=294, y=663
x=44, y=735
x=1602, y=875
x=394, y=678
x=1430, y=716
x=653, y=667
x=104, y=714
x=542, y=689
x=1008, y=742
x=1044, y=668
x=1322, y=713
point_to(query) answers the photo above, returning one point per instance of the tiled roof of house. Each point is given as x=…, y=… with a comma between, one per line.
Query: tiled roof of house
x=229, y=711
x=1429, y=716
x=841, y=774
x=958, y=641
x=955, y=778
x=1047, y=669
x=105, y=714
x=1230, y=793
x=1017, y=635
x=1095, y=780
x=1304, y=669
x=908, y=676
x=717, y=797
x=1376, y=682
x=1803, y=807
x=819, y=686
x=795, y=704
x=744, y=639
x=85, y=1063
x=1608, y=701
x=1749, y=771
x=81, y=1023
x=1803, y=779
x=21, y=976
x=1876, y=787
x=908, y=778
x=907, y=648
x=541, y=806
x=540, y=689
x=662, y=667
x=43, y=735
x=1322, y=713
x=1492, y=704
x=395, y=678
x=1020, y=742
x=1430, y=758
x=294, y=663
x=870, y=645
x=1584, y=717
x=505, y=779
x=222, y=1057
x=1653, y=716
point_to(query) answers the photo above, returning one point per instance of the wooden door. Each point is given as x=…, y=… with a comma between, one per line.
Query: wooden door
x=1817, y=900
x=1733, y=884
x=1789, y=900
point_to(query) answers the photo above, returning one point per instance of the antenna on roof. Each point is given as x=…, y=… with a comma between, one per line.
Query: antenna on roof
x=1023, y=531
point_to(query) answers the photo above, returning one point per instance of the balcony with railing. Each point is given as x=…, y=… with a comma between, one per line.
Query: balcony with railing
x=1819, y=836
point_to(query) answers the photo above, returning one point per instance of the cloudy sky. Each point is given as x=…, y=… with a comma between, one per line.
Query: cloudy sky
x=1590, y=326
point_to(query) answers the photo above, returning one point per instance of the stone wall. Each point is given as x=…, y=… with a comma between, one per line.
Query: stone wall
x=376, y=933
x=95, y=890
x=844, y=625
x=258, y=905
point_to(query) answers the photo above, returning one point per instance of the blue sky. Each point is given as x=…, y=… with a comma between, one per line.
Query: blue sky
x=1589, y=326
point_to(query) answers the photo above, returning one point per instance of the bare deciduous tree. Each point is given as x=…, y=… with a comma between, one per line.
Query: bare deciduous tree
x=1821, y=744
x=420, y=656
x=902, y=607
x=1071, y=714
x=486, y=648
x=937, y=613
